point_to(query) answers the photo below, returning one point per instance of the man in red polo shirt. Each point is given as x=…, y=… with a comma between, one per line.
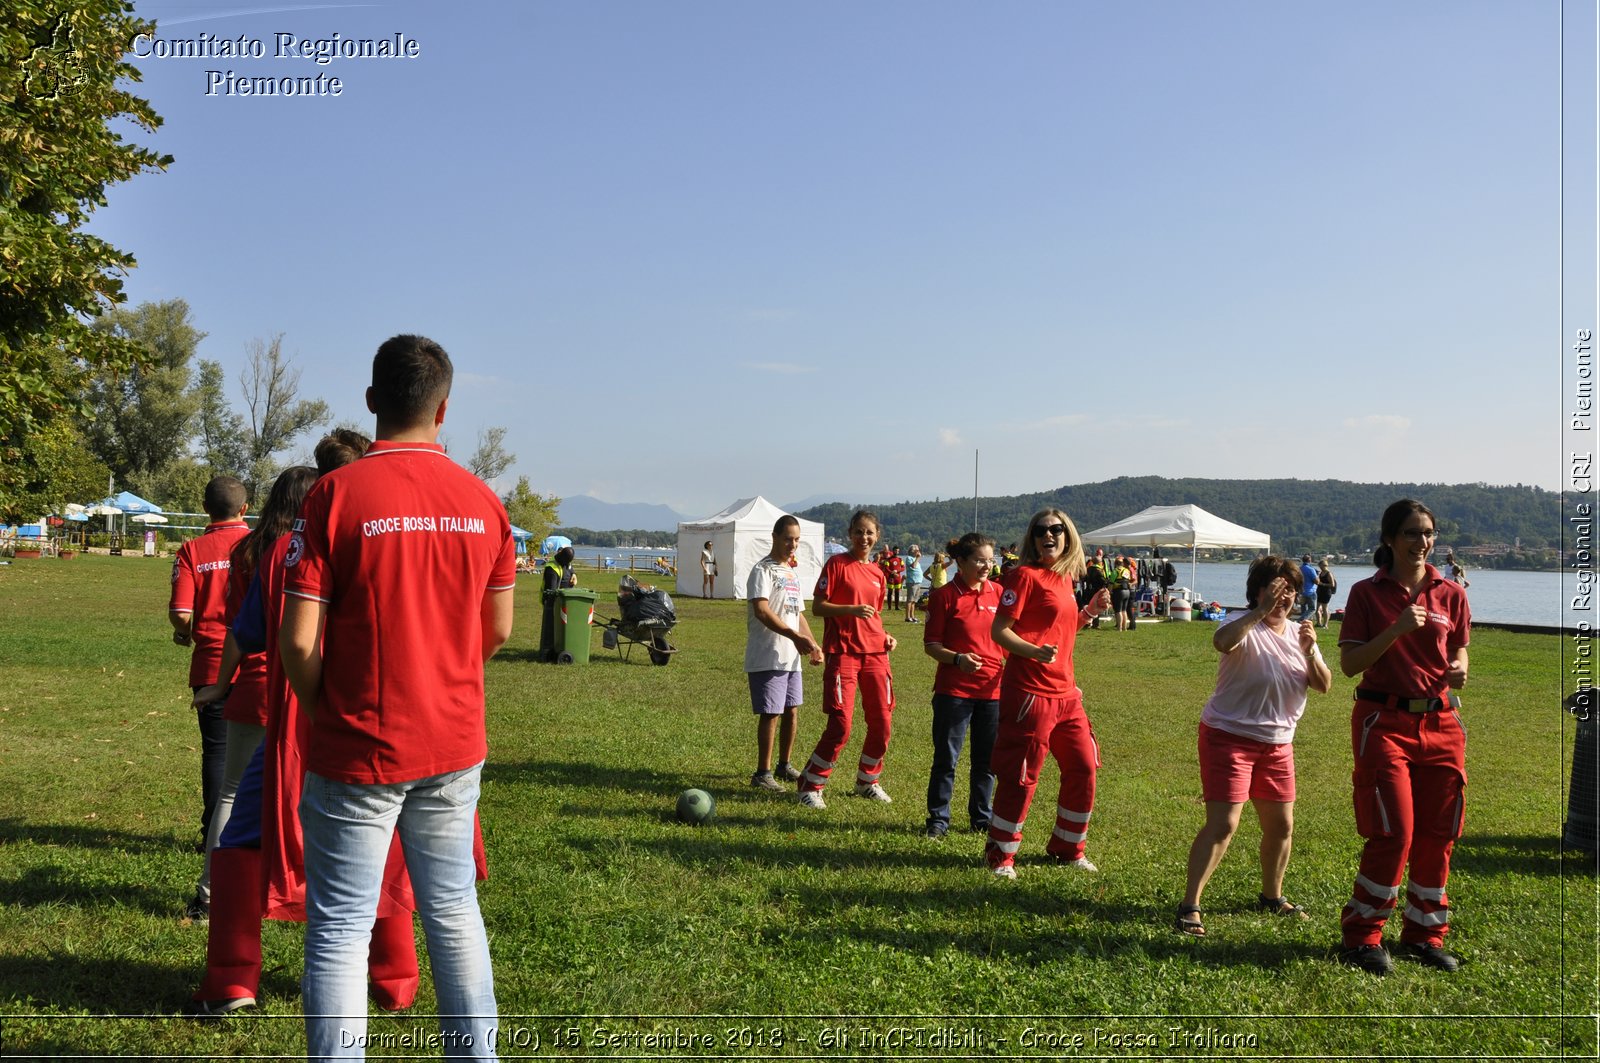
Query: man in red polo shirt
x=399, y=586
x=197, y=609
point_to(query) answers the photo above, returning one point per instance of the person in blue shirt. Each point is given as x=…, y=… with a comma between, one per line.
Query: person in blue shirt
x=913, y=562
x=1308, y=589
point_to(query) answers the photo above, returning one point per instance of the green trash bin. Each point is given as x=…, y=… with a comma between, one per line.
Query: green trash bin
x=574, y=616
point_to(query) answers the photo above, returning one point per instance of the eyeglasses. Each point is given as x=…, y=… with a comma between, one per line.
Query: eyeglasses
x=1041, y=531
x=1416, y=533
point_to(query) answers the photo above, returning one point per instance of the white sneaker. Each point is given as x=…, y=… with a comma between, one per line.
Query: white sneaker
x=872, y=791
x=1004, y=871
x=812, y=799
x=1082, y=863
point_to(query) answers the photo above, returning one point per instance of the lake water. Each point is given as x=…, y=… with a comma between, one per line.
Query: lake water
x=1495, y=596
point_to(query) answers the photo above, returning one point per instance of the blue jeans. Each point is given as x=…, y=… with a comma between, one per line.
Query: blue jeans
x=1308, y=607
x=347, y=829
x=951, y=718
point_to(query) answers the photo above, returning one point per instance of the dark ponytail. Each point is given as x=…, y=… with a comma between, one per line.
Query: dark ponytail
x=967, y=545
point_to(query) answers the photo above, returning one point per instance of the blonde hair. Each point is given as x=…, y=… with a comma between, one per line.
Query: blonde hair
x=1071, y=562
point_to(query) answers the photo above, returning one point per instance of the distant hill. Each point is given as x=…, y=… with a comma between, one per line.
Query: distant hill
x=1315, y=516
x=583, y=511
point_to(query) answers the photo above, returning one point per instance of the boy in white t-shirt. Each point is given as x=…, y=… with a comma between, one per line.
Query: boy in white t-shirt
x=779, y=637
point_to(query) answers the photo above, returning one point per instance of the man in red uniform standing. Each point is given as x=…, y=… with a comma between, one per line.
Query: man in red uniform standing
x=399, y=589
x=197, y=609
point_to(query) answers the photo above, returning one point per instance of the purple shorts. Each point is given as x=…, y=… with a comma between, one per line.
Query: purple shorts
x=773, y=692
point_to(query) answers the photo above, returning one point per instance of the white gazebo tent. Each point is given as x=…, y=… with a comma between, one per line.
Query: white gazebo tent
x=1186, y=525
x=741, y=536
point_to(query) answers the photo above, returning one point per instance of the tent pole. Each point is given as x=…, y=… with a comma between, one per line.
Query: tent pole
x=1194, y=553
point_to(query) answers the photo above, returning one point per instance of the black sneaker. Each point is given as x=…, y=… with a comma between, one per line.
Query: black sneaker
x=937, y=831
x=1429, y=956
x=1373, y=959
x=198, y=910
x=216, y=1009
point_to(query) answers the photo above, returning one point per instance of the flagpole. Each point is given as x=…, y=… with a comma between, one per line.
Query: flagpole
x=974, y=489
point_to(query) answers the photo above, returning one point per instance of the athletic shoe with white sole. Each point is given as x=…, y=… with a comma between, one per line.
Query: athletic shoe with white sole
x=763, y=780
x=873, y=792
x=812, y=799
x=1004, y=871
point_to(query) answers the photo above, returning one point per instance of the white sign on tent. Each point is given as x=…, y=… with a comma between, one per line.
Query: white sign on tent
x=741, y=536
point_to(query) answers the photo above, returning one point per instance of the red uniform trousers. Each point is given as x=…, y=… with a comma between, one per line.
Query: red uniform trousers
x=233, y=940
x=841, y=674
x=1410, y=788
x=1029, y=727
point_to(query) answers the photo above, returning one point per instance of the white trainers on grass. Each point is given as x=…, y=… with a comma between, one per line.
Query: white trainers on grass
x=812, y=799
x=873, y=792
x=1004, y=871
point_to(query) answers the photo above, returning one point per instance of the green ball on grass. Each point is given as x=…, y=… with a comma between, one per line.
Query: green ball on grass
x=696, y=807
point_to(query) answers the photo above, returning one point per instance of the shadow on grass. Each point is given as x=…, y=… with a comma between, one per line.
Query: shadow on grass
x=78, y=837
x=577, y=776
x=49, y=885
x=1523, y=854
x=97, y=986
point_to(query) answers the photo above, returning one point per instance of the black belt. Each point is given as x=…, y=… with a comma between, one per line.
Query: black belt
x=1389, y=701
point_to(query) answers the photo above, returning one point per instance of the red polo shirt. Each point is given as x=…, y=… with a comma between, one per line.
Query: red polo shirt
x=962, y=620
x=846, y=581
x=1415, y=665
x=200, y=586
x=1046, y=614
x=403, y=546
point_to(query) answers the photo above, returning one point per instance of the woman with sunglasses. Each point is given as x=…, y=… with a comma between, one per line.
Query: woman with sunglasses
x=1405, y=633
x=1041, y=707
x=1247, y=734
x=849, y=599
x=966, y=687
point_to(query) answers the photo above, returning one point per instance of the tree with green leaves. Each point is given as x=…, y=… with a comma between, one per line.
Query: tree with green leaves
x=530, y=511
x=60, y=65
x=138, y=420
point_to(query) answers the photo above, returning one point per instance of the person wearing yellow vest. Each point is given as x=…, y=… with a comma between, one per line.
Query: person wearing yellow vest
x=559, y=572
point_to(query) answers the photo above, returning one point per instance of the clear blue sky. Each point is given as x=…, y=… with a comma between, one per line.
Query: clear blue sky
x=694, y=250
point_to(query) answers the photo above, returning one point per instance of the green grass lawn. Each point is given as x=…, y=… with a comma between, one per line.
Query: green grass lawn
x=776, y=932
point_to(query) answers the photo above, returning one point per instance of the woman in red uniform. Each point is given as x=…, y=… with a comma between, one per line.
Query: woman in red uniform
x=966, y=688
x=1405, y=632
x=849, y=600
x=1041, y=707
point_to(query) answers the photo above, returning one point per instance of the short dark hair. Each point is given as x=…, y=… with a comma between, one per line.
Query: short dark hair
x=1263, y=570
x=339, y=448
x=411, y=375
x=225, y=497
x=865, y=514
x=784, y=522
x=564, y=556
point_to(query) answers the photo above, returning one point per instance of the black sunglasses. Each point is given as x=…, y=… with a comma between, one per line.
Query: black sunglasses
x=1052, y=530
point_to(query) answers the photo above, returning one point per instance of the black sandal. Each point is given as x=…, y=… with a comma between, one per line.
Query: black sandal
x=1280, y=906
x=1188, y=921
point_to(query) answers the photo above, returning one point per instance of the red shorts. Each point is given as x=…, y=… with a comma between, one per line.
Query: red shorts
x=1236, y=770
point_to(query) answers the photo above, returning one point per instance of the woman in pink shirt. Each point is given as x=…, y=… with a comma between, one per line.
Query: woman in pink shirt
x=1247, y=734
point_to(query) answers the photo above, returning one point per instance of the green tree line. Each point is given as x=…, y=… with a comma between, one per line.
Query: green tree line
x=1302, y=516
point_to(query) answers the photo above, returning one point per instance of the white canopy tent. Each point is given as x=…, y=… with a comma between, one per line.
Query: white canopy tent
x=1186, y=525
x=741, y=536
